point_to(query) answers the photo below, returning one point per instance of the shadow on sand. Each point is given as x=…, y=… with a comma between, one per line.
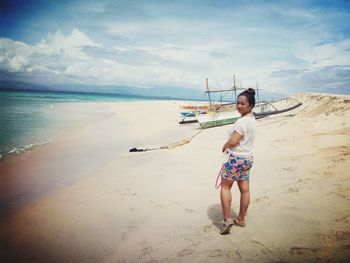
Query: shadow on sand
x=215, y=215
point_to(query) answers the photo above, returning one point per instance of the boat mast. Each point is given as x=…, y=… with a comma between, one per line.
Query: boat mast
x=234, y=87
x=257, y=91
x=207, y=85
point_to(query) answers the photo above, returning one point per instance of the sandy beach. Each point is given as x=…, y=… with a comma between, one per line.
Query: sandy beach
x=162, y=206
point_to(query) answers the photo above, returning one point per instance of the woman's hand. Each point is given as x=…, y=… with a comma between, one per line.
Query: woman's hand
x=224, y=148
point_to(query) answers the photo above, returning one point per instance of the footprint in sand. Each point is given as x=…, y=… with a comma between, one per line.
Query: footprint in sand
x=290, y=168
x=305, y=182
x=262, y=202
x=327, y=174
x=280, y=140
x=208, y=228
x=188, y=250
x=189, y=210
x=216, y=253
x=293, y=190
x=196, y=243
x=235, y=255
x=302, y=184
x=263, y=199
x=155, y=204
x=127, y=193
x=303, y=251
x=342, y=219
x=146, y=249
x=337, y=160
x=129, y=231
x=262, y=247
x=341, y=194
x=185, y=252
x=341, y=236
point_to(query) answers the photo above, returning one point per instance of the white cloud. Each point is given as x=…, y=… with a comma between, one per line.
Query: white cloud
x=75, y=39
x=322, y=67
x=329, y=54
x=18, y=63
x=71, y=44
x=41, y=70
x=55, y=55
x=14, y=55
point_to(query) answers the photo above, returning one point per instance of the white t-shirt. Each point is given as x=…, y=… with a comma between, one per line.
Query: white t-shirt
x=245, y=126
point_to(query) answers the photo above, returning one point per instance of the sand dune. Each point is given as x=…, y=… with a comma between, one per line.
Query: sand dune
x=161, y=206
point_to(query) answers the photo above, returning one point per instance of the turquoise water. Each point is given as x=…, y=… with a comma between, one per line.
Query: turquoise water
x=33, y=118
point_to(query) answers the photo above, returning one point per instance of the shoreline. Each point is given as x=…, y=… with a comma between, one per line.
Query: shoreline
x=38, y=172
x=62, y=118
x=80, y=150
x=162, y=205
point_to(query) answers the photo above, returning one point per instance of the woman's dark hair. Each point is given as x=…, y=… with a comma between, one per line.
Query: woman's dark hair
x=250, y=94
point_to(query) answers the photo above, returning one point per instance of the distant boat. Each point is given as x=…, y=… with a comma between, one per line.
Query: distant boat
x=204, y=107
x=190, y=116
x=192, y=113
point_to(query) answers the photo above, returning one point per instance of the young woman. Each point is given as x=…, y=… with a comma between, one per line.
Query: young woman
x=239, y=147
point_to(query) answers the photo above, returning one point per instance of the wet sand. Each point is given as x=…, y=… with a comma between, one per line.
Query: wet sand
x=161, y=205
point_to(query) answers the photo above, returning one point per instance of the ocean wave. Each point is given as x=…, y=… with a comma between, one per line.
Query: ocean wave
x=22, y=149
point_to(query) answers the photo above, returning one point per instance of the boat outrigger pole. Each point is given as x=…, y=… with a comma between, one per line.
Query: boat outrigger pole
x=234, y=87
x=208, y=91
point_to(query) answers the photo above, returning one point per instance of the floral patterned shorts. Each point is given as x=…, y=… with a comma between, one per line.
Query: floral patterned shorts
x=237, y=168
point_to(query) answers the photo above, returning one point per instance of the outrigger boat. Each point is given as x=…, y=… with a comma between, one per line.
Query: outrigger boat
x=193, y=111
x=189, y=113
x=221, y=116
x=230, y=115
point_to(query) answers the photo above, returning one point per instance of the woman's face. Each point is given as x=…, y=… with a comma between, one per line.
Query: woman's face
x=243, y=106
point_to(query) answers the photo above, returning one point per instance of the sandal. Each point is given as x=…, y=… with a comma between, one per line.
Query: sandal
x=236, y=223
x=227, y=226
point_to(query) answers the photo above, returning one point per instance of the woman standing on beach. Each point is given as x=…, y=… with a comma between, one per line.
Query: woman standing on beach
x=239, y=147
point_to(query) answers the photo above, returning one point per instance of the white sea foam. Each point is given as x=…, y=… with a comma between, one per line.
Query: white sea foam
x=23, y=148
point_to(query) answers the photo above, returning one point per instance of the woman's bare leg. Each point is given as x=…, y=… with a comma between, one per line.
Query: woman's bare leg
x=245, y=199
x=226, y=197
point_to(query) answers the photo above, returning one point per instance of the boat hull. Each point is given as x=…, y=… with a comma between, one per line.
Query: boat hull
x=214, y=119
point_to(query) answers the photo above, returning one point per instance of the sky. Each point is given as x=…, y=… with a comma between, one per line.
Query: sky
x=284, y=46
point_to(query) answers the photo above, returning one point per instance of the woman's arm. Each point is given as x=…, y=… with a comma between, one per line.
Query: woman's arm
x=232, y=142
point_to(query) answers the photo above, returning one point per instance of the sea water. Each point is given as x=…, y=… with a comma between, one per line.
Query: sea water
x=32, y=118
